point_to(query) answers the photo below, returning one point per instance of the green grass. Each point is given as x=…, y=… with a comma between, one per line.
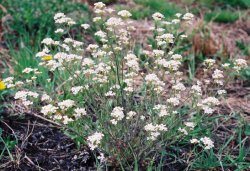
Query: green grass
x=34, y=18
x=214, y=4
x=223, y=16
x=148, y=7
x=224, y=157
x=6, y=145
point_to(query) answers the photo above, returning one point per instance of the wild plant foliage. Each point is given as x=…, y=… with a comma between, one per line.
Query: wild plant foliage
x=125, y=104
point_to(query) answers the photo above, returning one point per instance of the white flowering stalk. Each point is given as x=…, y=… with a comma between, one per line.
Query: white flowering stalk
x=118, y=99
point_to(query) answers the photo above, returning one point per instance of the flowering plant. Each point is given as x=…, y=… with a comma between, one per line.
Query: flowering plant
x=125, y=104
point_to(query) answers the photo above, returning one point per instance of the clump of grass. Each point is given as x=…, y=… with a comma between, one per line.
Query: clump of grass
x=235, y=3
x=223, y=16
x=6, y=144
x=150, y=6
x=213, y=4
x=34, y=18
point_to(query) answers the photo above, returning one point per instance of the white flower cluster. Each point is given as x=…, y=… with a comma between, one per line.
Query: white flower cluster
x=79, y=112
x=207, y=142
x=46, y=97
x=171, y=65
x=196, y=89
x=175, y=101
x=59, y=30
x=111, y=92
x=240, y=64
x=179, y=87
x=61, y=18
x=102, y=35
x=154, y=130
x=77, y=89
x=183, y=130
x=66, y=104
x=44, y=52
x=94, y=140
x=132, y=62
x=158, y=16
x=27, y=70
x=73, y=43
x=164, y=39
x=189, y=126
x=209, y=62
x=162, y=109
x=9, y=82
x=117, y=114
x=208, y=104
x=124, y=14
x=49, y=109
x=158, y=53
x=85, y=26
x=113, y=23
x=130, y=115
x=153, y=80
x=218, y=77
x=25, y=97
x=49, y=41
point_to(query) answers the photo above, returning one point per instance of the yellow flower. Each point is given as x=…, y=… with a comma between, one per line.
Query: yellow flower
x=2, y=86
x=47, y=58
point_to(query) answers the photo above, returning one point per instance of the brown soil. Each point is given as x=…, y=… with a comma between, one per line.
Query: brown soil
x=41, y=146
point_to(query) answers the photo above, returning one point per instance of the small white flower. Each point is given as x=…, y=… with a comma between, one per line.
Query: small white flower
x=207, y=142
x=182, y=130
x=48, y=41
x=154, y=130
x=130, y=115
x=190, y=124
x=117, y=113
x=174, y=101
x=59, y=15
x=157, y=16
x=80, y=112
x=178, y=15
x=66, y=120
x=66, y=104
x=85, y=26
x=99, y=5
x=158, y=53
x=240, y=64
x=46, y=97
x=96, y=19
x=124, y=14
x=94, y=140
x=48, y=109
x=76, y=90
x=188, y=16
x=27, y=70
x=59, y=30
x=176, y=21
x=179, y=87
x=194, y=141
x=220, y=92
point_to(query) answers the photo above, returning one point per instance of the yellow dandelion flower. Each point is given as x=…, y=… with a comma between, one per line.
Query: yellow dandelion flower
x=2, y=86
x=47, y=58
